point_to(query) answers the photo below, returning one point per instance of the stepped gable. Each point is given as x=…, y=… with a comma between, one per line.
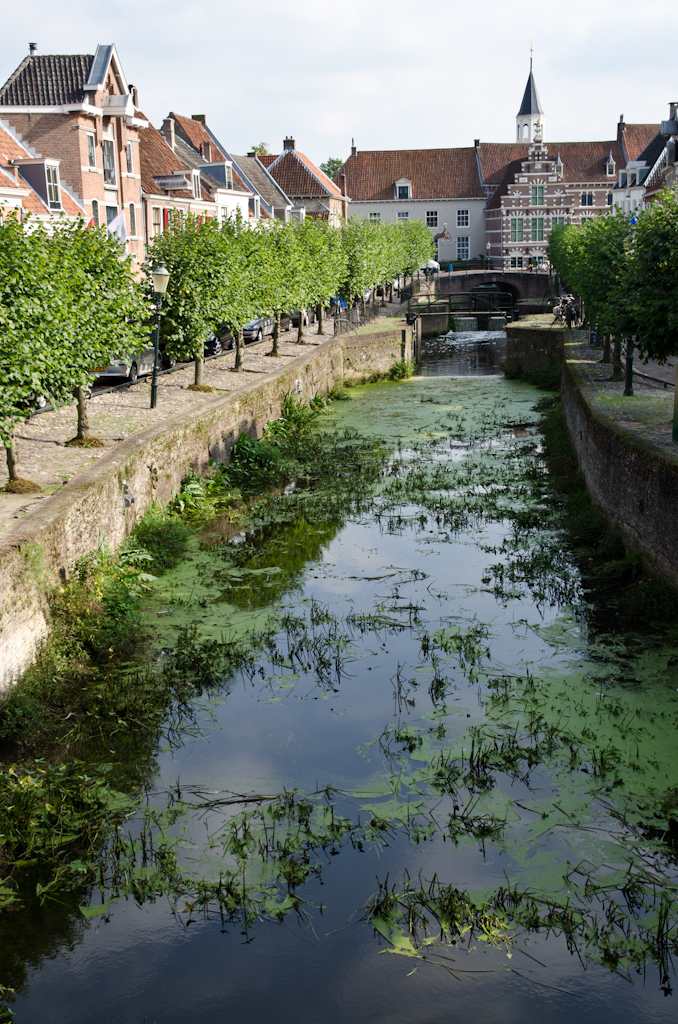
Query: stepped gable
x=582, y=161
x=48, y=80
x=434, y=173
x=157, y=158
x=297, y=175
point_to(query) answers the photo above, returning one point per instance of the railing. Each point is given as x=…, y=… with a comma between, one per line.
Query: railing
x=350, y=319
x=462, y=302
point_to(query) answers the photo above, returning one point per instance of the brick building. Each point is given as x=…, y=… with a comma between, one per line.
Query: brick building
x=30, y=184
x=307, y=186
x=78, y=113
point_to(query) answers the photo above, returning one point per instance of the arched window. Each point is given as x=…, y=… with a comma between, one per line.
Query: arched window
x=526, y=131
x=95, y=212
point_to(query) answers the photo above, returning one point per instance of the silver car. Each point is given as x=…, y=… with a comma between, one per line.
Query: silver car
x=130, y=367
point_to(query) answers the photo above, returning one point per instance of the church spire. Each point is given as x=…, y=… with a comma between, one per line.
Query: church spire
x=530, y=117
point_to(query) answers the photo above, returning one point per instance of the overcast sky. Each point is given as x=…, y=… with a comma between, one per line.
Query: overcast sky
x=394, y=74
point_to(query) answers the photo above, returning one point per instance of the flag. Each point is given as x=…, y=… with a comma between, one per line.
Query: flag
x=118, y=227
x=90, y=223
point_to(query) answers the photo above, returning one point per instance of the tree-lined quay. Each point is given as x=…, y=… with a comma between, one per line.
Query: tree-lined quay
x=69, y=298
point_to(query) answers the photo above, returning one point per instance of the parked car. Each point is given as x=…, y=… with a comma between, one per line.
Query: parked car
x=219, y=342
x=257, y=329
x=129, y=366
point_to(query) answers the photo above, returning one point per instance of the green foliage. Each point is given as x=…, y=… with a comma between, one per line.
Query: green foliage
x=653, y=277
x=164, y=536
x=68, y=302
x=402, y=370
x=260, y=148
x=332, y=166
x=254, y=464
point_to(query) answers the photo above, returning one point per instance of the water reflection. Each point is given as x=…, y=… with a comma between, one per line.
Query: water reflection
x=464, y=354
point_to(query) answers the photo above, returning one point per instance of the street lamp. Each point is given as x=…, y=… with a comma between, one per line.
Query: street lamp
x=488, y=246
x=160, y=278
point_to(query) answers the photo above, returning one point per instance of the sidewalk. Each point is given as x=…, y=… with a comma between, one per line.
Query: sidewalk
x=40, y=443
x=647, y=414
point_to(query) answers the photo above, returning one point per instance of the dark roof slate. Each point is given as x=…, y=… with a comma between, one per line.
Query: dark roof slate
x=50, y=80
x=260, y=179
x=530, y=104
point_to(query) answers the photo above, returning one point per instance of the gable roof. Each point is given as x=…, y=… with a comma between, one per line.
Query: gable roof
x=635, y=137
x=434, y=173
x=299, y=176
x=582, y=161
x=530, y=104
x=255, y=175
x=156, y=158
x=47, y=81
x=197, y=134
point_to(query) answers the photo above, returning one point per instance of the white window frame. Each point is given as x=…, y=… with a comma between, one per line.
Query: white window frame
x=374, y=216
x=537, y=196
x=517, y=229
x=463, y=246
x=132, y=220
x=403, y=215
x=196, y=185
x=91, y=149
x=108, y=147
x=156, y=221
x=130, y=158
x=462, y=218
x=405, y=189
x=537, y=229
x=96, y=216
x=53, y=186
x=432, y=218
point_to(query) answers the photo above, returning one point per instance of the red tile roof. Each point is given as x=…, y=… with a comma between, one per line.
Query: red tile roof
x=198, y=135
x=158, y=159
x=637, y=137
x=298, y=176
x=434, y=173
x=582, y=161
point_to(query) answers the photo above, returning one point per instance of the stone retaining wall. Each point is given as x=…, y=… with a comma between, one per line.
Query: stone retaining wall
x=108, y=499
x=634, y=484
x=532, y=348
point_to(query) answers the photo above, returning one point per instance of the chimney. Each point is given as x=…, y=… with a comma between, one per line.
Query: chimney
x=133, y=94
x=168, y=132
x=207, y=151
x=288, y=143
x=252, y=153
x=353, y=149
x=476, y=143
x=198, y=117
x=342, y=178
x=673, y=107
x=32, y=49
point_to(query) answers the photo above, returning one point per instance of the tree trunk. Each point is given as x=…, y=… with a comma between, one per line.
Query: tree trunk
x=321, y=322
x=199, y=366
x=300, y=332
x=383, y=295
x=606, y=349
x=83, y=422
x=12, y=461
x=275, y=335
x=616, y=360
x=238, y=350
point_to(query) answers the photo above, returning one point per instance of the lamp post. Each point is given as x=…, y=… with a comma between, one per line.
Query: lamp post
x=160, y=278
x=488, y=246
x=628, y=383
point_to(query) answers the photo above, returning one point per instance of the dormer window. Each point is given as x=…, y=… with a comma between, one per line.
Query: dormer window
x=558, y=168
x=53, y=189
x=228, y=176
x=196, y=184
x=609, y=169
x=403, y=189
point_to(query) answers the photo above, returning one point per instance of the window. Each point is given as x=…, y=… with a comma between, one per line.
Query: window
x=91, y=150
x=462, y=218
x=537, y=234
x=132, y=219
x=558, y=168
x=196, y=184
x=403, y=215
x=622, y=179
x=517, y=229
x=403, y=191
x=111, y=213
x=156, y=224
x=517, y=262
x=557, y=222
x=53, y=196
x=375, y=216
x=609, y=199
x=130, y=160
x=95, y=213
x=462, y=247
x=609, y=168
x=228, y=171
x=432, y=218
x=109, y=162
x=537, y=195
x=587, y=199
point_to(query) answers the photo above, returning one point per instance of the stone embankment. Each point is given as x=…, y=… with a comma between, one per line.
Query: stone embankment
x=623, y=443
x=109, y=496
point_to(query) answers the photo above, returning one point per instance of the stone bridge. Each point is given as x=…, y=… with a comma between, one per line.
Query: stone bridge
x=521, y=284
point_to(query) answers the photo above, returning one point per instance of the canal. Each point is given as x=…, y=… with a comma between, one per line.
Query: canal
x=431, y=775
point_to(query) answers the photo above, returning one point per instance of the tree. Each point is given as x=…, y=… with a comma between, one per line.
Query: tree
x=260, y=149
x=68, y=302
x=332, y=166
x=653, y=277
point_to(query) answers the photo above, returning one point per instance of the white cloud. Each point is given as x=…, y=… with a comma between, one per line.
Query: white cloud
x=392, y=73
